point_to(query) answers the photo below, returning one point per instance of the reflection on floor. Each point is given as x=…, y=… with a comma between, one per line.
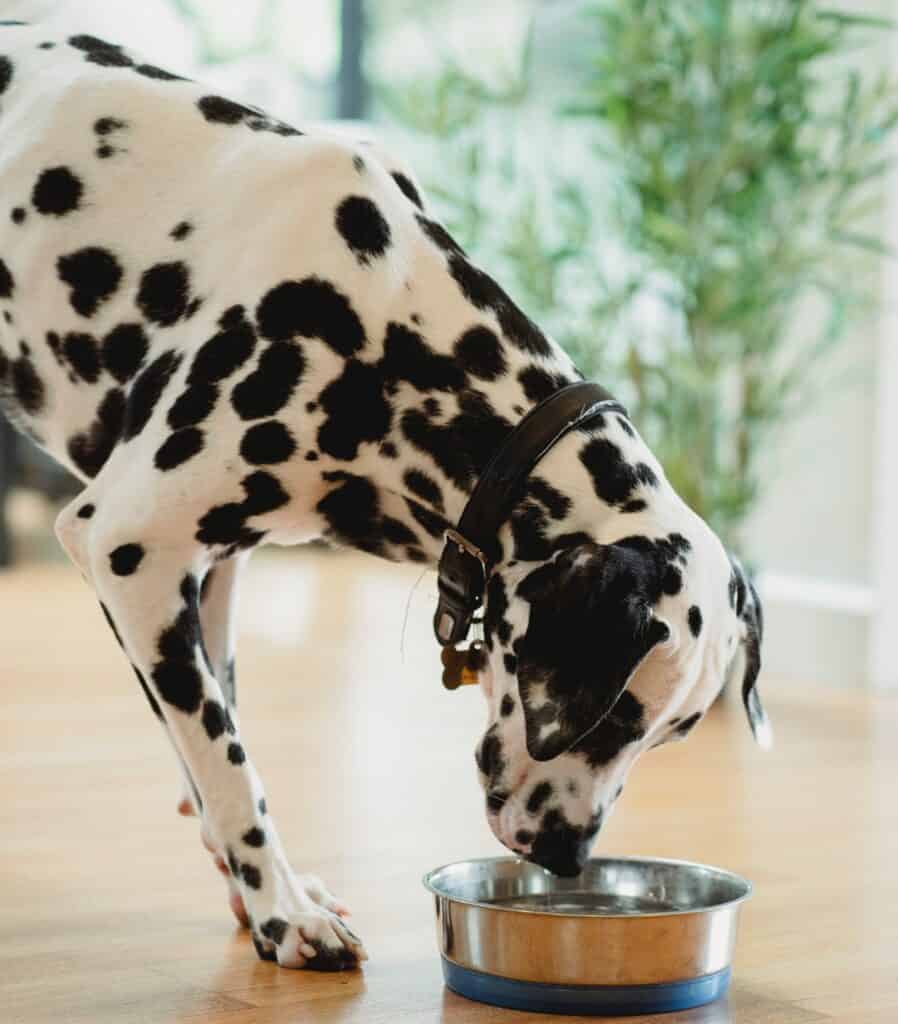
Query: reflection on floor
x=111, y=912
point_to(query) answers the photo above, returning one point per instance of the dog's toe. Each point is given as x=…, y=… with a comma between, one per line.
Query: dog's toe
x=315, y=940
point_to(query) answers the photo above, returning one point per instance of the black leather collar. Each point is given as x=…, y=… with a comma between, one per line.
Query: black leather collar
x=471, y=549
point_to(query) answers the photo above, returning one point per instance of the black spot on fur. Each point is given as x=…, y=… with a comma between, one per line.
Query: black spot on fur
x=264, y=493
x=688, y=724
x=311, y=308
x=408, y=357
x=57, y=191
x=634, y=505
x=105, y=151
x=147, y=391
x=488, y=754
x=27, y=386
x=396, y=532
x=539, y=795
x=251, y=875
x=462, y=447
x=81, y=352
x=236, y=753
x=175, y=675
x=254, y=837
x=356, y=409
x=98, y=51
x=511, y=663
x=225, y=352
x=613, y=478
x=193, y=405
x=558, y=504
x=267, y=444
x=107, y=125
x=6, y=70
x=269, y=387
x=483, y=293
x=695, y=620
x=537, y=383
x=352, y=510
x=479, y=352
x=213, y=719
x=93, y=274
x=164, y=293
x=424, y=487
x=263, y=806
x=180, y=231
x=220, y=110
x=274, y=929
x=90, y=450
x=126, y=559
x=496, y=799
x=439, y=235
x=389, y=450
x=529, y=530
x=18, y=214
x=495, y=625
x=625, y=426
x=434, y=524
x=159, y=74
x=124, y=350
x=7, y=284
x=407, y=188
x=507, y=706
x=363, y=228
x=86, y=511
x=180, y=446
x=226, y=524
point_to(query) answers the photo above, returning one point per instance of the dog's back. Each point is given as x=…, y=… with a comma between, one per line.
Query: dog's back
x=139, y=208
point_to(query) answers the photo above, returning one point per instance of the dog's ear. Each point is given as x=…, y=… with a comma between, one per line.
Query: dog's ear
x=747, y=606
x=591, y=624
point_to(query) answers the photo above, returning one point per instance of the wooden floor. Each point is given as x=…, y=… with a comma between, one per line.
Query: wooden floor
x=110, y=910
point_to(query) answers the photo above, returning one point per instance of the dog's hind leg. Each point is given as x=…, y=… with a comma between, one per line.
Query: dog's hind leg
x=218, y=612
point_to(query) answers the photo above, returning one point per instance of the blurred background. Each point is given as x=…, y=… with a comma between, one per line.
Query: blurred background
x=694, y=197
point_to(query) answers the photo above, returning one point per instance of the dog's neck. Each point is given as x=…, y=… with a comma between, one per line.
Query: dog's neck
x=545, y=510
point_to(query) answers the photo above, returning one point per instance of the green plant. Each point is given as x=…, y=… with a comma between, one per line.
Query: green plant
x=708, y=250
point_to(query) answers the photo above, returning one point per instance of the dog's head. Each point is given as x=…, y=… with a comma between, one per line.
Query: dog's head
x=596, y=655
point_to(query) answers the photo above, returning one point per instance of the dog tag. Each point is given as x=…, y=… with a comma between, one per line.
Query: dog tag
x=460, y=667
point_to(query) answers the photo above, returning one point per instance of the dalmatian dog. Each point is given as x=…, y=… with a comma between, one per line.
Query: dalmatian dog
x=235, y=332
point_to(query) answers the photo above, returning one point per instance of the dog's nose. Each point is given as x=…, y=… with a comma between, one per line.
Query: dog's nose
x=564, y=860
x=562, y=848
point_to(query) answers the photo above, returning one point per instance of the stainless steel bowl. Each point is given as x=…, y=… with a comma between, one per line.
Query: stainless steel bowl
x=628, y=935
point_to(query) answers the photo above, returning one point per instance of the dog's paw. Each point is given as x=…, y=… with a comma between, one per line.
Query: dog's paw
x=316, y=939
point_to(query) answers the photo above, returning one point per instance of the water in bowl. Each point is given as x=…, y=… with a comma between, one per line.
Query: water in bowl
x=586, y=902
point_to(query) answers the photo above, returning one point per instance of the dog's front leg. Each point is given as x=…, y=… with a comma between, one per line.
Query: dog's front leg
x=151, y=595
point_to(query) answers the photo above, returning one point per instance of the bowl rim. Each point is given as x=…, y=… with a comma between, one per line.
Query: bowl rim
x=428, y=884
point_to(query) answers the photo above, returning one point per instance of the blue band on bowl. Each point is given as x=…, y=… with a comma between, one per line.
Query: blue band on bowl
x=603, y=1000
